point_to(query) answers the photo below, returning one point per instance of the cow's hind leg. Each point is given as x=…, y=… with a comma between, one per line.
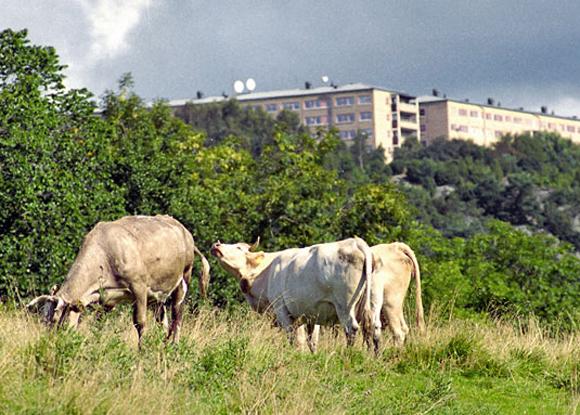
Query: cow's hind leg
x=161, y=316
x=377, y=298
x=347, y=319
x=396, y=321
x=313, y=336
x=178, y=298
x=140, y=310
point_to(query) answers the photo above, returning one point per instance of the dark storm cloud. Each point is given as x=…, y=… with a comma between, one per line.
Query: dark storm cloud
x=524, y=53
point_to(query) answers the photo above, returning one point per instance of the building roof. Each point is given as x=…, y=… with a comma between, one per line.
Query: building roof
x=287, y=93
x=429, y=99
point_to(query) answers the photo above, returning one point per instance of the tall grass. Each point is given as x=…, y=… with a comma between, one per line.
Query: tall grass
x=236, y=362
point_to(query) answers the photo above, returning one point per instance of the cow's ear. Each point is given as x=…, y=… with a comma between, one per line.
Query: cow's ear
x=254, y=258
x=245, y=285
x=46, y=306
x=37, y=304
x=255, y=245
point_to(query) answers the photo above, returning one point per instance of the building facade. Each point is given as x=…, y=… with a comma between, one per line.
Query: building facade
x=485, y=124
x=386, y=117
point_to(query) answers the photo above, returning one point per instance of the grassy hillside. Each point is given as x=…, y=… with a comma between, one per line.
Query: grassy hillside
x=235, y=362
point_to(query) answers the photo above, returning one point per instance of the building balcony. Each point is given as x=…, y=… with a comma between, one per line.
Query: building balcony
x=404, y=107
x=409, y=124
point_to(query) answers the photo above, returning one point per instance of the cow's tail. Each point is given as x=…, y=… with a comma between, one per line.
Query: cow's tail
x=204, y=276
x=419, y=315
x=367, y=315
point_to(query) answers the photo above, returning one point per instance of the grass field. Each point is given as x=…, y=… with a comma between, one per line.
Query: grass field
x=235, y=362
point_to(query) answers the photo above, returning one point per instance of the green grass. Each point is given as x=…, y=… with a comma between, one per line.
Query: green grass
x=236, y=362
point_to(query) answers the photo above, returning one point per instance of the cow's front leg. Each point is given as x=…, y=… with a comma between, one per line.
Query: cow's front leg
x=286, y=321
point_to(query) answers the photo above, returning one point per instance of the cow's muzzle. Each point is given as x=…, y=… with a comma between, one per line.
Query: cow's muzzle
x=215, y=250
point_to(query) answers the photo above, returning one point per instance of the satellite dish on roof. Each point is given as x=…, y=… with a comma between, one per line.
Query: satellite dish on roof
x=325, y=79
x=250, y=84
x=238, y=87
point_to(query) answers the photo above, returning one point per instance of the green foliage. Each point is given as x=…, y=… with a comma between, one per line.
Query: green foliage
x=253, y=127
x=530, y=180
x=55, y=161
x=242, y=175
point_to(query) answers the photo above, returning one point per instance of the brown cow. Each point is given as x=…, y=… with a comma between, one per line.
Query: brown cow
x=136, y=259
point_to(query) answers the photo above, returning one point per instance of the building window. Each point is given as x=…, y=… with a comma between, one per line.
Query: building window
x=422, y=112
x=508, y=118
x=517, y=120
x=343, y=101
x=292, y=106
x=347, y=134
x=570, y=129
x=497, y=117
x=462, y=112
x=365, y=99
x=498, y=134
x=488, y=116
x=474, y=114
x=314, y=120
x=271, y=107
x=368, y=132
x=344, y=118
x=395, y=139
x=314, y=103
x=423, y=128
x=366, y=116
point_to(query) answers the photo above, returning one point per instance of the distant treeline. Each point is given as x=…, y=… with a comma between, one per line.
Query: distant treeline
x=239, y=174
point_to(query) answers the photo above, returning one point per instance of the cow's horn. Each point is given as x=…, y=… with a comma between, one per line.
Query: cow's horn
x=255, y=245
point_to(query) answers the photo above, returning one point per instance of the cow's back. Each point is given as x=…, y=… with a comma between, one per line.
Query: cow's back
x=310, y=280
x=157, y=248
x=391, y=258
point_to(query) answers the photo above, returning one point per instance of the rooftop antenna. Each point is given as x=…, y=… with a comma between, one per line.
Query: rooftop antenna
x=251, y=84
x=239, y=86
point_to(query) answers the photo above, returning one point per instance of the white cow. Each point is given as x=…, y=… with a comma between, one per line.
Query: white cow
x=320, y=284
x=393, y=266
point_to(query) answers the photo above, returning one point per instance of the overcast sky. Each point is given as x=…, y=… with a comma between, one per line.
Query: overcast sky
x=523, y=53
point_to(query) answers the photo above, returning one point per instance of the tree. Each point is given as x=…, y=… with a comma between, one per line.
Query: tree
x=55, y=162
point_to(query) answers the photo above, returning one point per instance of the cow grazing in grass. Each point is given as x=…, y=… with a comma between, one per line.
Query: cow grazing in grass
x=320, y=284
x=136, y=259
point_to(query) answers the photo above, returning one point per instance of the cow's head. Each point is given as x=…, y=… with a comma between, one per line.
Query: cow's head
x=238, y=259
x=54, y=310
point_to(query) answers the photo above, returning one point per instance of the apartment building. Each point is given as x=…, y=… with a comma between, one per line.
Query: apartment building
x=386, y=117
x=484, y=124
